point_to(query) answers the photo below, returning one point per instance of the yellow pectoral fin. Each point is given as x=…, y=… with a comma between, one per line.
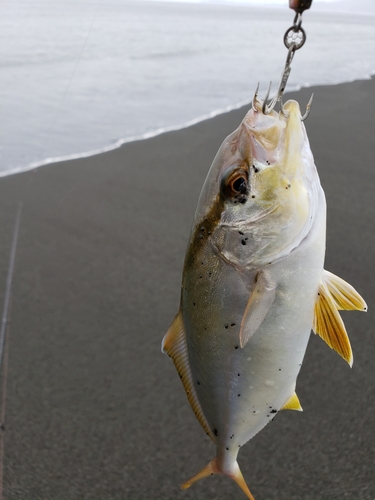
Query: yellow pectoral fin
x=329, y=325
x=292, y=403
x=343, y=294
x=174, y=344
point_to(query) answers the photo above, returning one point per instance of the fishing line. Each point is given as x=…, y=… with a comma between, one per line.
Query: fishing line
x=8, y=287
x=74, y=69
x=4, y=332
x=3, y=404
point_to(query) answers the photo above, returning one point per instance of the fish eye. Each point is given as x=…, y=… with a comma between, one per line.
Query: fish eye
x=239, y=185
x=235, y=185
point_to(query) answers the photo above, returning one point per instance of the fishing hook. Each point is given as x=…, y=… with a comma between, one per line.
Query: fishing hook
x=294, y=39
x=255, y=98
x=308, y=108
x=292, y=47
x=267, y=109
x=282, y=108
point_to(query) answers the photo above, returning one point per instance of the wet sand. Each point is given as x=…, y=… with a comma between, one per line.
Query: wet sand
x=93, y=409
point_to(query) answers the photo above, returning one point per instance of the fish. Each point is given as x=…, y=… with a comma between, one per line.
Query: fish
x=254, y=285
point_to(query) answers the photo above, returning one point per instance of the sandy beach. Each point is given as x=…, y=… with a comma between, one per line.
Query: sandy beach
x=93, y=409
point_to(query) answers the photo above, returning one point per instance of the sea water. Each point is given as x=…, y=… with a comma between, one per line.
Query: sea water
x=79, y=77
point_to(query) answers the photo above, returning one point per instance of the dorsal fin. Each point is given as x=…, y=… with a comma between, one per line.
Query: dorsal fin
x=329, y=325
x=343, y=294
x=174, y=344
x=292, y=403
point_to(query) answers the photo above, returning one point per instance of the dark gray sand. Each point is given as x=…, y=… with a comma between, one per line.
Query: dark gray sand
x=93, y=409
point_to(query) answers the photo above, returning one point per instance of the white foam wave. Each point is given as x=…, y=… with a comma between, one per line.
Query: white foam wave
x=161, y=130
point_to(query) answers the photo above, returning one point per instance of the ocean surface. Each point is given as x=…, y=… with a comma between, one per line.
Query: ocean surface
x=79, y=77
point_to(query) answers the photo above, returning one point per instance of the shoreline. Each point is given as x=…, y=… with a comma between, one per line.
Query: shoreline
x=164, y=130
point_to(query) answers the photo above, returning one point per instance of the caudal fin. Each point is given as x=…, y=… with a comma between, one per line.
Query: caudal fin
x=212, y=468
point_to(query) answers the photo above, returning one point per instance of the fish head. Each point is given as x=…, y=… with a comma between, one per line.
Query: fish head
x=261, y=191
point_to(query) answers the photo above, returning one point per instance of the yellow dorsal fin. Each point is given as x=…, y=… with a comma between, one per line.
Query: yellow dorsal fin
x=174, y=344
x=292, y=403
x=343, y=294
x=329, y=325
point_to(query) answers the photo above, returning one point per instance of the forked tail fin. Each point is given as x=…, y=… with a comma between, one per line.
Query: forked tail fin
x=212, y=468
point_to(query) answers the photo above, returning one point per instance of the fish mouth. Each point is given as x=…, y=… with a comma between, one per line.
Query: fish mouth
x=275, y=137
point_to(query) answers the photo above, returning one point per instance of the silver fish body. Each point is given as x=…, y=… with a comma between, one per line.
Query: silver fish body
x=240, y=390
x=252, y=278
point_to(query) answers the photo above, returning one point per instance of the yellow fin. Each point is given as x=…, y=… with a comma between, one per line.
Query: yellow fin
x=343, y=294
x=174, y=344
x=292, y=403
x=208, y=470
x=212, y=468
x=329, y=325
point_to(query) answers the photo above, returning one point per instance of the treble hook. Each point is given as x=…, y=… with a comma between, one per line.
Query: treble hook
x=294, y=39
x=267, y=109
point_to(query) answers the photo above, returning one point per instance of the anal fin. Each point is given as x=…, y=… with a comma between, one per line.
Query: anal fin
x=174, y=344
x=257, y=307
x=292, y=403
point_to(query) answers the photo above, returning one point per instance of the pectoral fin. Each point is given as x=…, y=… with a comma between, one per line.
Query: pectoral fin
x=343, y=294
x=292, y=403
x=257, y=307
x=174, y=344
x=329, y=325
